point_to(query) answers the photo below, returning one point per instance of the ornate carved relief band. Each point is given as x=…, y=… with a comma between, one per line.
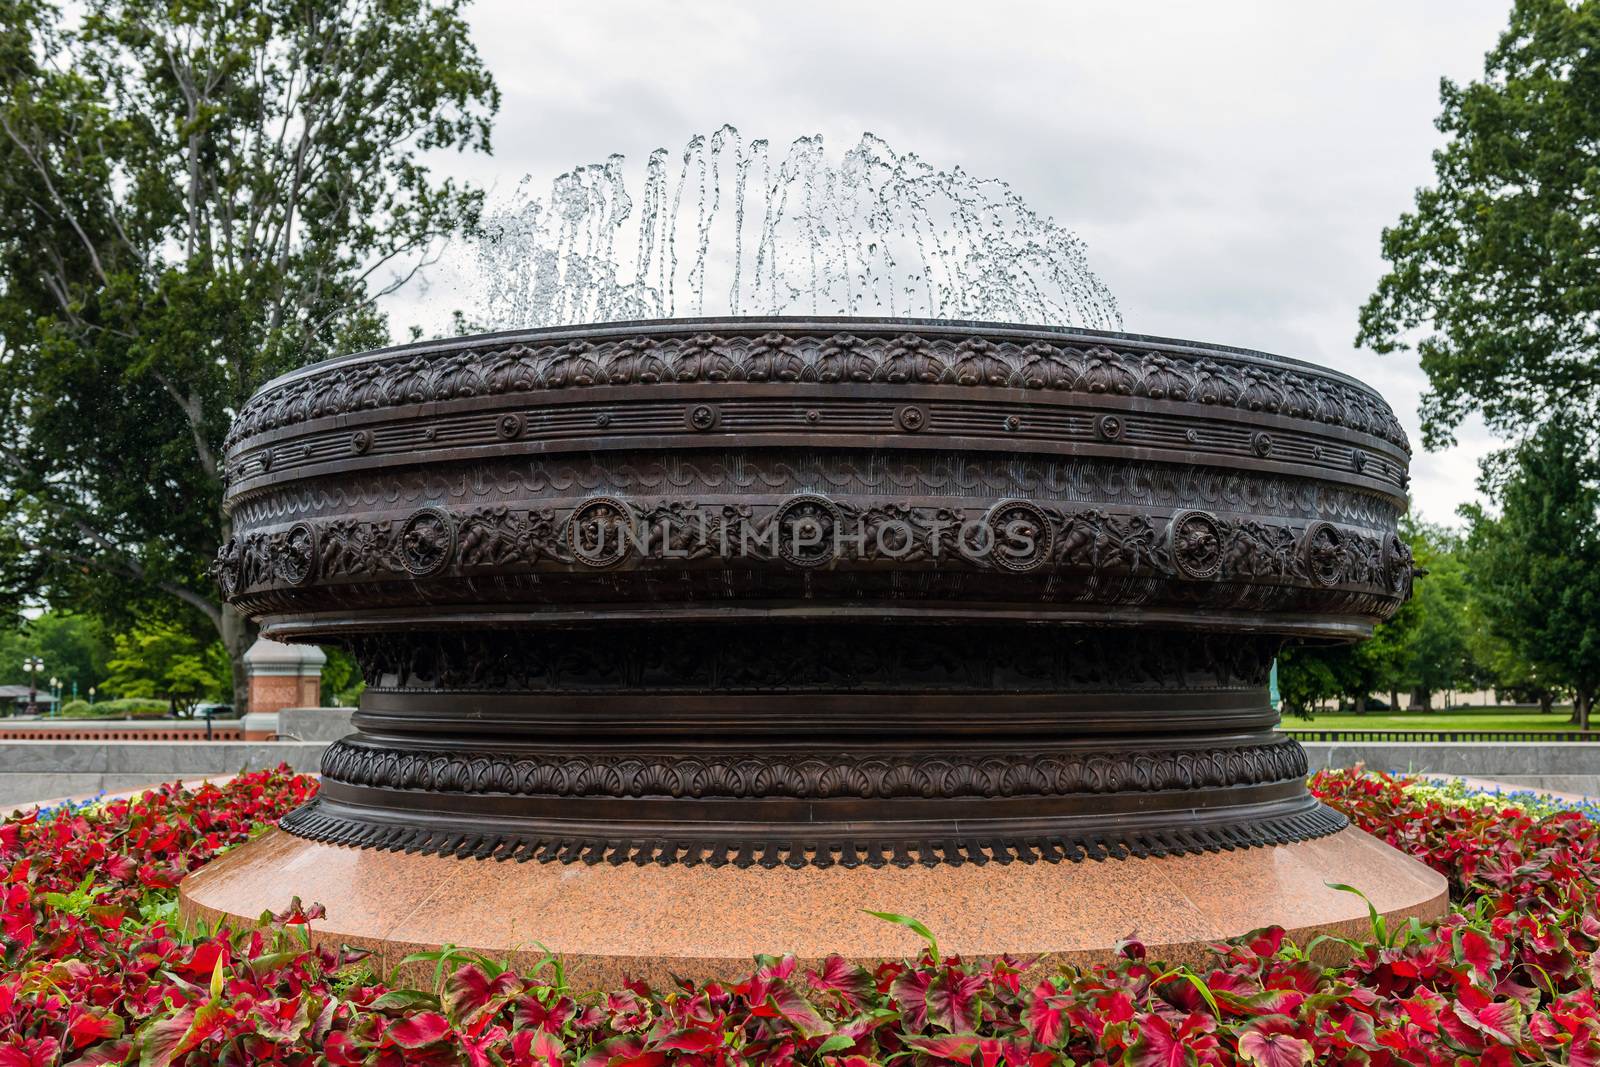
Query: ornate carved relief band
x=845, y=353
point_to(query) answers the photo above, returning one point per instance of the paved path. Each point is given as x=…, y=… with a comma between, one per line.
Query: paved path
x=220, y=779
x=1490, y=785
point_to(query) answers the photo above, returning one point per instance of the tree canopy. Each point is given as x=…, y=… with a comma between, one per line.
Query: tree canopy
x=1495, y=273
x=1426, y=648
x=165, y=662
x=74, y=648
x=195, y=197
x=1536, y=566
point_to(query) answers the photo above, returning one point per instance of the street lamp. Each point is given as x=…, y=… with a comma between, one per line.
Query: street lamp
x=33, y=665
x=91, y=694
x=55, y=695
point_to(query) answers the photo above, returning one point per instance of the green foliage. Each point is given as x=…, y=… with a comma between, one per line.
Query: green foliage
x=1427, y=647
x=130, y=708
x=1536, y=567
x=74, y=648
x=1434, y=650
x=195, y=197
x=341, y=679
x=1495, y=265
x=1310, y=674
x=166, y=662
x=126, y=708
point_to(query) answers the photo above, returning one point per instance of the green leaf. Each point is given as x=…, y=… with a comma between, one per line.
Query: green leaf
x=406, y=1000
x=1380, y=928
x=1198, y=983
x=835, y=1043
x=913, y=925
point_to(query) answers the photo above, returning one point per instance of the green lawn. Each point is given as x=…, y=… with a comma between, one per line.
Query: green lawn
x=1455, y=719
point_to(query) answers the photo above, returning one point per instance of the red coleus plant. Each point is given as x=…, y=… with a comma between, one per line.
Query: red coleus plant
x=93, y=970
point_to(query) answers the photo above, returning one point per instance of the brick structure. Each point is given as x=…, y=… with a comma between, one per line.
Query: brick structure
x=283, y=676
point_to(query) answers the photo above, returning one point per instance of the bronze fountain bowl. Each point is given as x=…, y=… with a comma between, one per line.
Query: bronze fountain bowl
x=814, y=592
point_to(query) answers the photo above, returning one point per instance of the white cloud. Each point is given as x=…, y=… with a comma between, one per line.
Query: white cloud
x=1230, y=164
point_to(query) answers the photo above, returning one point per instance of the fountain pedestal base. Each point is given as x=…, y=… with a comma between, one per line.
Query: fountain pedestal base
x=653, y=922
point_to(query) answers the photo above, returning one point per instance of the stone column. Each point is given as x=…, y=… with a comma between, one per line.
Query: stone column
x=281, y=676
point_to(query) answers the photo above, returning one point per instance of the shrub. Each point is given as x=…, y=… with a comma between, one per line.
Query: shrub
x=78, y=709
x=131, y=708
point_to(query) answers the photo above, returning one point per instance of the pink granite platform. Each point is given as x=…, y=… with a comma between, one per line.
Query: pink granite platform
x=654, y=922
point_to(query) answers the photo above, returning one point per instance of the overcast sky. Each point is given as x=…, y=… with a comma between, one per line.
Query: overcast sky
x=1230, y=165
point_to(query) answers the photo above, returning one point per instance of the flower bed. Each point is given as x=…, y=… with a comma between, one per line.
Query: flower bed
x=93, y=969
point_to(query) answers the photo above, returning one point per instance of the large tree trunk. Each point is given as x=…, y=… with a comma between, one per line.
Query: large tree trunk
x=1547, y=700
x=1421, y=700
x=1394, y=700
x=1361, y=703
x=1581, y=704
x=238, y=634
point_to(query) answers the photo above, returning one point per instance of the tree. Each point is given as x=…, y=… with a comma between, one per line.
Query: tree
x=341, y=679
x=1499, y=261
x=195, y=197
x=1386, y=656
x=1427, y=646
x=164, y=661
x=1536, y=567
x=74, y=648
x=1504, y=667
x=1310, y=674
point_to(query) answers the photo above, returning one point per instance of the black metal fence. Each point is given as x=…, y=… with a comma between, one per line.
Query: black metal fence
x=1551, y=737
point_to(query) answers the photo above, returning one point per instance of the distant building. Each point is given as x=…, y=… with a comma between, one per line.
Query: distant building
x=14, y=700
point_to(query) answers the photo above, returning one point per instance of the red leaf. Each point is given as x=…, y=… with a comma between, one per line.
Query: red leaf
x=158, y=1042
x=1499, y=1021
x=1423, y=1010
x=628, y=1012
x=1476, y=949
x=164, y=1040
x=910, y=992
x=838, y=975
x=282, y=1020
x=697, y=1040
x=798, y=1012
x=203, y=960
x=1274, y=1049
x=1158, y=1046
x=948, y=999
x=341, y=1050
x=86, y=1029
x=1585, y=1050
x=469, y=993
x=1022, y=1056
x=537, y=1015
x=536, y=1048
x=104, y=1055
x=613, y=1052
x=419, y=1030
x=1265, y=942
x=644, y=1059
x=957, y=1048
x=1045, y=1015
